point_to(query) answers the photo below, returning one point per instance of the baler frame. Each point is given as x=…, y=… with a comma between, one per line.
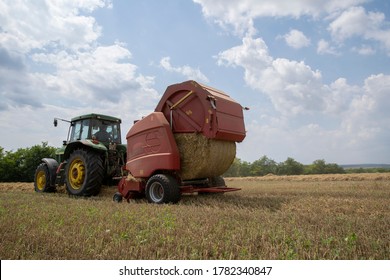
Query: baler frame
x=134, y=188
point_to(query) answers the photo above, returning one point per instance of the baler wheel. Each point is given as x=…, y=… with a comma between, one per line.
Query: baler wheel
x=161, y=188
x=84, y=173
x=217, y=182
x=42, y=179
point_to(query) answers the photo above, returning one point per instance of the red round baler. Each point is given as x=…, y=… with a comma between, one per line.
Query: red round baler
x=184, y=146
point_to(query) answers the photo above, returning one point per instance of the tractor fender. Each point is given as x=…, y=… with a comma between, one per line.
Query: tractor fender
x=83, y=143
x=52, y=166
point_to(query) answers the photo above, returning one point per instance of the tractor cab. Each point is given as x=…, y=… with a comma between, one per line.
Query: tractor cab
x=104, y=129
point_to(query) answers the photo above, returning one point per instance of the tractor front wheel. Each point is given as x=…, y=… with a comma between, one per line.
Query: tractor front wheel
x=42, y=179
x=161, y=188
x=84, y=173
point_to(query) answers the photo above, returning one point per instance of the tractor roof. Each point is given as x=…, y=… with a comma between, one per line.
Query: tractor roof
x=97, y=116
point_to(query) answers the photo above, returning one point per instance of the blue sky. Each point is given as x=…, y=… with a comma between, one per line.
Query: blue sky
x=316, y=74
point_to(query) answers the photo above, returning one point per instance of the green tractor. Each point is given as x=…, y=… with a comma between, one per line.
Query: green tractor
x=92, y=155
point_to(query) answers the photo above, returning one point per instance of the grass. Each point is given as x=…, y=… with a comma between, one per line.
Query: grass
x=285, y=218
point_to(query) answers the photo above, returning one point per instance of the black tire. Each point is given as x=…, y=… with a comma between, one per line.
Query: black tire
x=117, y=197
x=42, y=179
x=84, y=173
x=161, y=188
x=217, y=182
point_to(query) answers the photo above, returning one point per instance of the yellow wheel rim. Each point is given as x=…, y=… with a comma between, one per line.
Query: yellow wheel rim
x=76, y=174
x=41, y=180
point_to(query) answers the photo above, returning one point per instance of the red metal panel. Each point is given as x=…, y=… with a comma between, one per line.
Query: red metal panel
x=193, y=107
x=192, y=189
x=151, y=146
x=129, y=188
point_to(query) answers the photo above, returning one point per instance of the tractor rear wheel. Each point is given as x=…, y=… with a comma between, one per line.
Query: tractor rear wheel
x=84, y=173
x=161, y=188
x=42, y=179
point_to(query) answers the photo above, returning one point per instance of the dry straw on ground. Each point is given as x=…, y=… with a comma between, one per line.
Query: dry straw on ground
x=321, y=217
x=201, y=157
x=319, y=177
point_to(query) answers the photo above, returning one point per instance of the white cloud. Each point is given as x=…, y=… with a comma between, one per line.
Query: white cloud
x=348, y=19
x=324, y=47
x=55, y=35
x=241, y=14
x=364, y=50
x=186, y=71
x=325, y=119
x=279, y=139
x=296, y=39
x=340, y=96
x=54, y=66
x=357, y=22
x=103, y=73
x=292, y=86
x=368, y=117
x=359, y=133
x=27, y=25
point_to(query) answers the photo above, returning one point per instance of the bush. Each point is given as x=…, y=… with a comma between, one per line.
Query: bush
x=19, y=166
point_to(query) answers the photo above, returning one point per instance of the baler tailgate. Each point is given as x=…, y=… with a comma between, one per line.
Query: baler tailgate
x=193, y=107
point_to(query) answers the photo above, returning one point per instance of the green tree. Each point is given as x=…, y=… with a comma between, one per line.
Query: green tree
x=238, y=168
x=319, y=166
x=333, y=168
x=234, y=169
x=19, y=166
x=290, y=167
x=245, y=169
x=263, y=166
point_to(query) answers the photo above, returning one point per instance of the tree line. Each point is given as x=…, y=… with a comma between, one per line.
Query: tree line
x=290, y=166
x=20, y=165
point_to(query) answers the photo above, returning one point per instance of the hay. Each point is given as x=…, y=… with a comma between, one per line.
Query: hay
x=201, y=157
x=131, y=178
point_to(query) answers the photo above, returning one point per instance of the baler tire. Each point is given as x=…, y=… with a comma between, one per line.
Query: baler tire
x=84, y=173
x=42, y=179
x=162, y=188
x=217, y=182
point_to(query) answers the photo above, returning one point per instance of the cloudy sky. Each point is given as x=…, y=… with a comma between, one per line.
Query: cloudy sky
x=315, y=74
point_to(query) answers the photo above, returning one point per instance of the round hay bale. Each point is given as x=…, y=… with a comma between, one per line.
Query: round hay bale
x=201, y=157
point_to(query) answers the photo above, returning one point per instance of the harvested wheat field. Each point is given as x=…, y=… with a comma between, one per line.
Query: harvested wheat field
x=272, y=217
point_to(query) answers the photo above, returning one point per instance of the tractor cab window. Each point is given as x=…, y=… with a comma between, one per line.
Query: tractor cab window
x=80, y=130
x=106, y=131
